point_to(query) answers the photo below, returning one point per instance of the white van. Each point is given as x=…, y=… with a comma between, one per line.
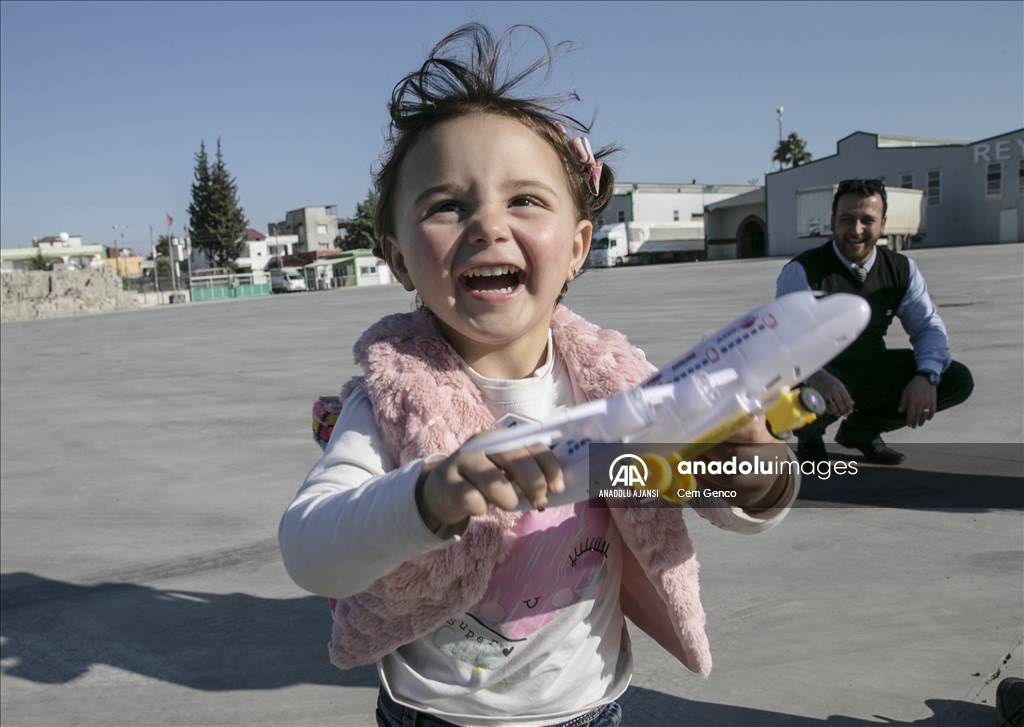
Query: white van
x=286, y=280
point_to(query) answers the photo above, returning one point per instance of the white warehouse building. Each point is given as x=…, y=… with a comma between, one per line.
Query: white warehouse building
x=667, y=202
x=659, y=222
x=973, y=192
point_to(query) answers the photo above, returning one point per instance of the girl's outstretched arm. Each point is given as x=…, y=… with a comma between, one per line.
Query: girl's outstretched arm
x=762, y=501
x=355, y=518
x=453, y=489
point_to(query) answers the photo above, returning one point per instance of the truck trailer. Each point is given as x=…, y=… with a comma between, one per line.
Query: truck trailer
x=640, y=243
x=904, y=223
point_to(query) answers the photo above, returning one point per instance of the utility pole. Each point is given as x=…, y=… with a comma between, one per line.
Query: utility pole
x=117, y=250
x=778, y=111
x=187, y=242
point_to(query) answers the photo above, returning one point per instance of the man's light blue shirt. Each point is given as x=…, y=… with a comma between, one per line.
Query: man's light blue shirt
x=916, y=312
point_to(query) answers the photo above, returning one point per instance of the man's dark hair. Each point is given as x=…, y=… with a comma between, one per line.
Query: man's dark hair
x=862, y=188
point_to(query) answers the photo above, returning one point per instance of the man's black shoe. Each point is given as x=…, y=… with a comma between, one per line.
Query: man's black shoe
x=811, y=449
x=874, y=451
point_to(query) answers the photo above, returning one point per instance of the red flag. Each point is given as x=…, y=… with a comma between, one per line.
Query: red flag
x=170, y=221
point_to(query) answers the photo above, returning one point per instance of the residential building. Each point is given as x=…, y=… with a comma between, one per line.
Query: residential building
x=281, y=245
x=62, y=251
x=130, y=264
x=317, y=228
x=256, y=255
x=63, y=240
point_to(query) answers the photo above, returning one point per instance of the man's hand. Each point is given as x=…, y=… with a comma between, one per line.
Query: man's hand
x=833, y=391
x=465, y=483
x=919, y=401
x=754, y=491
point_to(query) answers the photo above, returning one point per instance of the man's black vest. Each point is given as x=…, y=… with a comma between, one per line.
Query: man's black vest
x=884, y=288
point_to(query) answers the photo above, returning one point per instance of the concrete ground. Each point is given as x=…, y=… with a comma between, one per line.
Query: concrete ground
x=147, y=456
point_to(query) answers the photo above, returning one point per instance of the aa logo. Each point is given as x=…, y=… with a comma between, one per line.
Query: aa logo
x=626, y=470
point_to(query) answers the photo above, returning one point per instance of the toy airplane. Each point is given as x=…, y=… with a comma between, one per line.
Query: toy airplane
x=747, y=368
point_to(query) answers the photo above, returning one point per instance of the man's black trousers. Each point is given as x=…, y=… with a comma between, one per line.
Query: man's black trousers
x=876, y=389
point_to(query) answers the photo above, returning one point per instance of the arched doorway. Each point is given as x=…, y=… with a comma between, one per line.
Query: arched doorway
x=751, y=238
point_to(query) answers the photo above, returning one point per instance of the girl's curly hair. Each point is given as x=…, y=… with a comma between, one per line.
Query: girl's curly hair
x=470, y=71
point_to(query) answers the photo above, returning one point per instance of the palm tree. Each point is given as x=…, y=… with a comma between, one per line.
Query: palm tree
x=792, y=150
x=781, y=154
x=798, y=153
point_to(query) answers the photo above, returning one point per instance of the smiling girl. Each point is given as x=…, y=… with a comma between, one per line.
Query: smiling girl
x=474, y=614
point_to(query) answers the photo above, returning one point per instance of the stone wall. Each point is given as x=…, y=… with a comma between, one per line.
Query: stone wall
x=26, y=295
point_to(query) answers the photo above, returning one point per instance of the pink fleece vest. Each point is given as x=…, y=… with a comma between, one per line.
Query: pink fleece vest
x=424, y=403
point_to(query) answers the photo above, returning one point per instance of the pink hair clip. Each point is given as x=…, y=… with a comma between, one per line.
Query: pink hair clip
x=585, y=155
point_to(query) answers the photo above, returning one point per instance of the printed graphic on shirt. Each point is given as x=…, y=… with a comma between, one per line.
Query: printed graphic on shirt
x=557, y=560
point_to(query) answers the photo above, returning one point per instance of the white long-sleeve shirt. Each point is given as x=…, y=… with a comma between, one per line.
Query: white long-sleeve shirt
x=554, y=633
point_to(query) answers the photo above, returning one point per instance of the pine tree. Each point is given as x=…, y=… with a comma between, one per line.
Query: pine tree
x=359, y=233
x=199, y=207
x=39, y=262
x=217, y=220
x=163, y=244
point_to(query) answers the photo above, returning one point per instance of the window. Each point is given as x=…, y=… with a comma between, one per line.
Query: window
x=321, y=229
x=906, y=181
x=324, y=246
x=622, y=215
x=994, y=180
x=675, y=215
x=696, y=216
x=1020, y=176
x=935, y=187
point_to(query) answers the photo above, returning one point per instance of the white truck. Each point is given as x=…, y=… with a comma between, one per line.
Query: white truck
x=286, y=280
x=904, y=223
x=641, y=243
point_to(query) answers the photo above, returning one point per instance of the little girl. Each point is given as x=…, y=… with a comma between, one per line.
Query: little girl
x=474, y=614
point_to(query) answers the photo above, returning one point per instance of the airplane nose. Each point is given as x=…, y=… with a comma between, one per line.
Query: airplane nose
x=845, y=315
x=829, y=324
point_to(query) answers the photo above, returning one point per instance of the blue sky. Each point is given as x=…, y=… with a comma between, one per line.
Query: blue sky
x=103, y=106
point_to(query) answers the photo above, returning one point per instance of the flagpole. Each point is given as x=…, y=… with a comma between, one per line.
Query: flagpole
x=188, y=258
x=156, y=265
x=170, y=253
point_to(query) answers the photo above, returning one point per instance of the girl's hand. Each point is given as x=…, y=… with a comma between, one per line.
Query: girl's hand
x=465, y=483
x=754, y=491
